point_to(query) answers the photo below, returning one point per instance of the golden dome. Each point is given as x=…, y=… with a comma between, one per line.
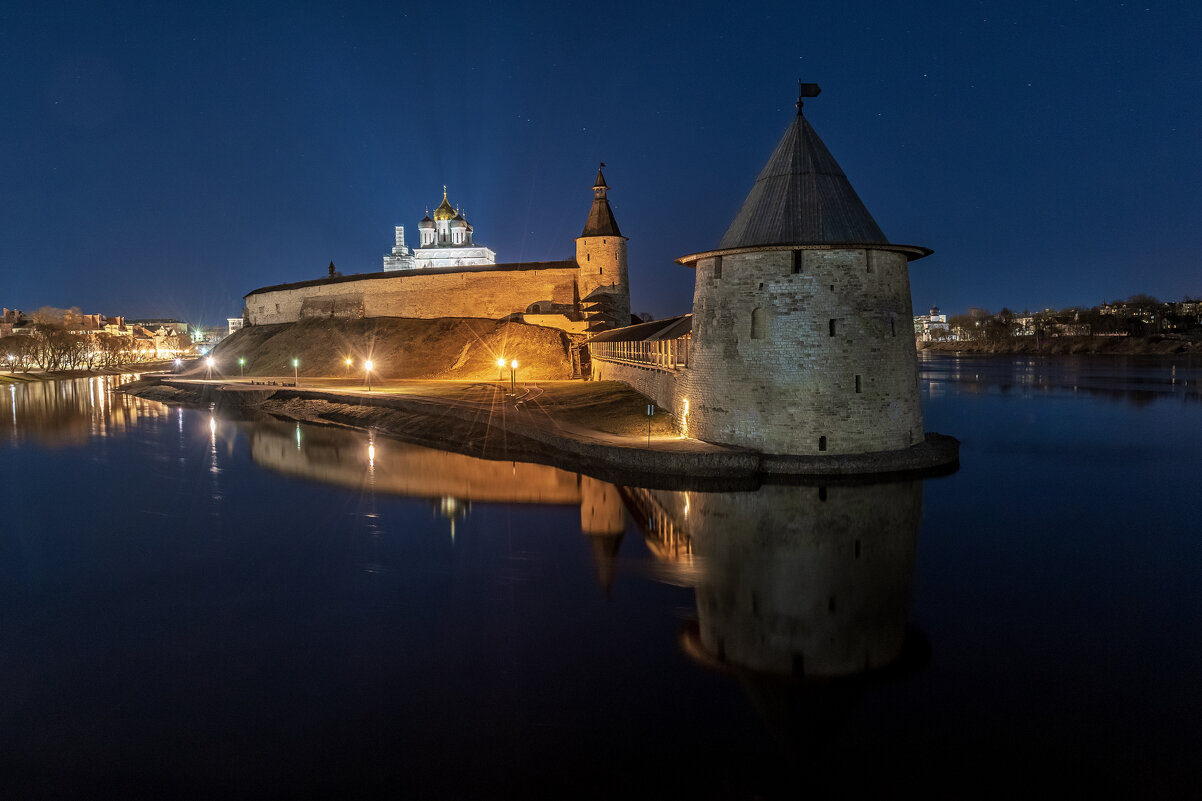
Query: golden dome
x=444, y=211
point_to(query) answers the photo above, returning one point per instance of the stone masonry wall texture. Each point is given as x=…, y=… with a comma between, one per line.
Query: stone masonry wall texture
x=829, y=366
x=484, y=294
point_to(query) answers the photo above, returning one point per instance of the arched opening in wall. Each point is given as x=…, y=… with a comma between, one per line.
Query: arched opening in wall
x=759, y=323
x=822, y=443
x=588, y=256
x=797, y=262
x=717, y=266
x=832, y=326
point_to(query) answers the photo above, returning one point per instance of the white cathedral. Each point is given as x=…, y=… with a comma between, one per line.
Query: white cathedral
x=446, y=241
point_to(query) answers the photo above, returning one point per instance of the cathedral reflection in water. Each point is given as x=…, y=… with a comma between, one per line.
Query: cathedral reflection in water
x=807, y=582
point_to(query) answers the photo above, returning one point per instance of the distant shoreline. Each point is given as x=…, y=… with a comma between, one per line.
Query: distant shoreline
x=1070, y=346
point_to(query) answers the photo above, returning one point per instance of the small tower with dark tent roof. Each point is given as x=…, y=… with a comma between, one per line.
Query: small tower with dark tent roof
x=802, y=334
x=601, y=255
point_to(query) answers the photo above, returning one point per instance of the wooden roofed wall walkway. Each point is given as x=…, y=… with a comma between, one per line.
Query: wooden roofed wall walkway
x=663, y=354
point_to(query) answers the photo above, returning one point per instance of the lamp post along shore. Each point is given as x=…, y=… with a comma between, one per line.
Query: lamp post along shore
x=367, y=369
x=295, y=372
x=501, y=369
x=513, y=375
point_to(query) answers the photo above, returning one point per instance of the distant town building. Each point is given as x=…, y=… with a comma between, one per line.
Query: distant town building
x=445, y=241
x=236, y=323
x=932, y=326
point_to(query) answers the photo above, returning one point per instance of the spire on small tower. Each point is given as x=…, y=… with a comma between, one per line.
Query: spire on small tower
x=601, y=220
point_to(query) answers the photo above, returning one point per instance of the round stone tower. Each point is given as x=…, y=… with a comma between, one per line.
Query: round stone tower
x=803, y=338
x=601, y=255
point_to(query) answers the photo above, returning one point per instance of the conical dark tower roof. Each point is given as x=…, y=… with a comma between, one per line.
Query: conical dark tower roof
x=601, y=220
x=802, y=197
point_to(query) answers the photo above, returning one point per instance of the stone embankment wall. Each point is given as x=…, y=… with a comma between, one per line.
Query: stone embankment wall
x=803, y=352
x=488, y=293
x=656, y=383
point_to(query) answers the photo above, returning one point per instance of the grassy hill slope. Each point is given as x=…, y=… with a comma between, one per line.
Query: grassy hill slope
x=449, y=348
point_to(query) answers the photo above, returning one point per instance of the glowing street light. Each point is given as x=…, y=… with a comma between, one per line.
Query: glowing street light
x=178, y=362
x=501, y=369
x=367, y=369
x=295, y=371
x=513, y=375
x=209, y=365
x=348, y=367
x=241, y=362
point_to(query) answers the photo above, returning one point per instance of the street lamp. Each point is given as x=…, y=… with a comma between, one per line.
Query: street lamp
x=367, y=369
x=209, y=365
x=295, y=371
x=501, y=369
x=178, y=362
x=241, y=362
x=513, y=375
x=348, y=367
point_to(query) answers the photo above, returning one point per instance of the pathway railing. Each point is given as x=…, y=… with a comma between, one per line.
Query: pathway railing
x=666, y=354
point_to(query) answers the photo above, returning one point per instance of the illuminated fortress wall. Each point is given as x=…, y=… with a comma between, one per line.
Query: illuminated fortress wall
x=806, y=359
x=489, y=293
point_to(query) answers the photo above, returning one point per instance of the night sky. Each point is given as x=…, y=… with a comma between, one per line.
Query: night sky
x=161, y=161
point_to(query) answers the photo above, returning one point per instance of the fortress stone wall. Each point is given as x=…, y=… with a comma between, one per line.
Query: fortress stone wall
x=809, y=347
x=491, y=293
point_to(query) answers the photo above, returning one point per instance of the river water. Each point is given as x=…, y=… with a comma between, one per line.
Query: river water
x=193, y=606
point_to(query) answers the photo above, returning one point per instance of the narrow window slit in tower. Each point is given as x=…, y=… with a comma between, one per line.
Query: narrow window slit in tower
x=830, y=604
x=822, y=493
x=858, y=389
x=822, y=443
x=857, y=549
x=796, y=262
x=799, y=665
x=717, y=267
x=832, y=327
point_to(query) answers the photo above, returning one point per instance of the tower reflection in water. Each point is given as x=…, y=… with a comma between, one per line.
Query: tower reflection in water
x=808, y=582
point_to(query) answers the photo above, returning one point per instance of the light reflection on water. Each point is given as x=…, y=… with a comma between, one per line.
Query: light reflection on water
x=71, y=411
x=238, y=593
